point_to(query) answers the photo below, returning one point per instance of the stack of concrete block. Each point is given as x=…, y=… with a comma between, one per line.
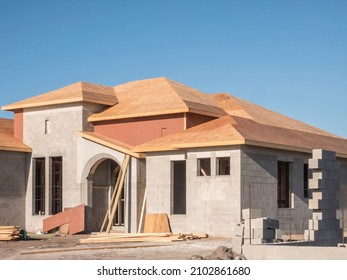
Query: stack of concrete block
x=260, y=230
x=324, y=227
x=254, y=229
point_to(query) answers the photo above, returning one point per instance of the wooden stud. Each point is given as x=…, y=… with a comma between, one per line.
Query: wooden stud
x=119, y=191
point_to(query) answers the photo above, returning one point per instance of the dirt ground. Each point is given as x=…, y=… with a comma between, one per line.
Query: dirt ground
x=69, y=248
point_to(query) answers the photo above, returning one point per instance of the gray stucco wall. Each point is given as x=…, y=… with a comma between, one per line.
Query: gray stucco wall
x=13, y=177
x=213, y=202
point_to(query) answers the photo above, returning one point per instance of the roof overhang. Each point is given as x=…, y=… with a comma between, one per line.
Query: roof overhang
x=110, y=143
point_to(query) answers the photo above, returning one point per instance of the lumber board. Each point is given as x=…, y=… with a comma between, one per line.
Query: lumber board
x=124, y=240
x=88, y=249
x=116, y=235
x=142, y=212
x=142, y=237
x=7, y=227
x=9, y=233
x=112, y=199
x=158, y=222
x=119, y=191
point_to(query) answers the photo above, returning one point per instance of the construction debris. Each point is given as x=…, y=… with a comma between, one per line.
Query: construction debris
x=141, y=237
x=221, y=253
x=9, y=233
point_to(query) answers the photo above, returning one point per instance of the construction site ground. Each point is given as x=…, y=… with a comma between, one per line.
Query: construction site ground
x=68, y=247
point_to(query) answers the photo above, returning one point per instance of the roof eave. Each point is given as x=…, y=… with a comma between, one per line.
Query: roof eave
x=287, y=147
x=110, y=145
x=16, y=149
x=95, y=118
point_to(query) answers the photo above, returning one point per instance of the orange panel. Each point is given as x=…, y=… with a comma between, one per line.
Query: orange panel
x=71, y=220
x=18, y=124
x=135, y=131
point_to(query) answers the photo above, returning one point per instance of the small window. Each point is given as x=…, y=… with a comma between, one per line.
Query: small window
x=223, y=166
x=305, y=180
x=39, y=186
x=204, y=167
x=47, y=127
x=56, y=185
x=283, y=191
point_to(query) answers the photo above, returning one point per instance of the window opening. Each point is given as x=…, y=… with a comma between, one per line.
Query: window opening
x=223, y=166
x=204, y=167
x=56, y=185
x=283, y=184
x=179, y=200
x=39, y=186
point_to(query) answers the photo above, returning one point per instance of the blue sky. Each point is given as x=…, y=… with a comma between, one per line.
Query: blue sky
x=288, y=56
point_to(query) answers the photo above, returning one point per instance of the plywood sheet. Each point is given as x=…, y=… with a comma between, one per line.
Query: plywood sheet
x=158, y=96
x=80, y=91
x=157, y=223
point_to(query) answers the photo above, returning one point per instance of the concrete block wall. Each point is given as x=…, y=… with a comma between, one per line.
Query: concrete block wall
x=13, y=178
x=60, y=141
x=324, y=226
x=259, y=170
x=88, y=153
x=343, y=193
x=212, y=202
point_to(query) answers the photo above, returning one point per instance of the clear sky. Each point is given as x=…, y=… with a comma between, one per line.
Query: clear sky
x=288, y=56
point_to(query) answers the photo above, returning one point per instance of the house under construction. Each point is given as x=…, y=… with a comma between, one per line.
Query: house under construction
x=201, y=158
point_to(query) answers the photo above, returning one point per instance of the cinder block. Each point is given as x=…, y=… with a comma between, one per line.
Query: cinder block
x=323, y=204
x=239, y=229
x=259, y=233
x=326, y=174
x=273, y=224
x=315, y=163
x=321, y=184
x=317, y=184
x=323, y=154
x=307, y=235
x=262, y=223
x=323, y=224
x=324, y=194
x=257, y=241
x=324, y=214
x=331, y=165
x=323, y=234
x=255, y=212
x=332, y=184
x=237, y=244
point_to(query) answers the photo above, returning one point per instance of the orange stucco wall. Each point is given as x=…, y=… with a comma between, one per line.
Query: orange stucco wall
x=18, y=124
x=196, y=119
x=135, y=131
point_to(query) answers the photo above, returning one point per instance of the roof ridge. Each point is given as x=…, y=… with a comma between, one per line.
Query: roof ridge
x=169, y=82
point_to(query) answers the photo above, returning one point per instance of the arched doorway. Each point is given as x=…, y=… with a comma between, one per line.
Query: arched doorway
x=102, y=179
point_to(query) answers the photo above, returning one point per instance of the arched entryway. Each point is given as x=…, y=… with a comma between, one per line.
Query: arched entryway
x=101, y=180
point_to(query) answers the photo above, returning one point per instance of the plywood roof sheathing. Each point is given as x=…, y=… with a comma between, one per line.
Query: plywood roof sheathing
x=77, y=92
x=159, y=96
x=7, y=140
x=231, y=131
